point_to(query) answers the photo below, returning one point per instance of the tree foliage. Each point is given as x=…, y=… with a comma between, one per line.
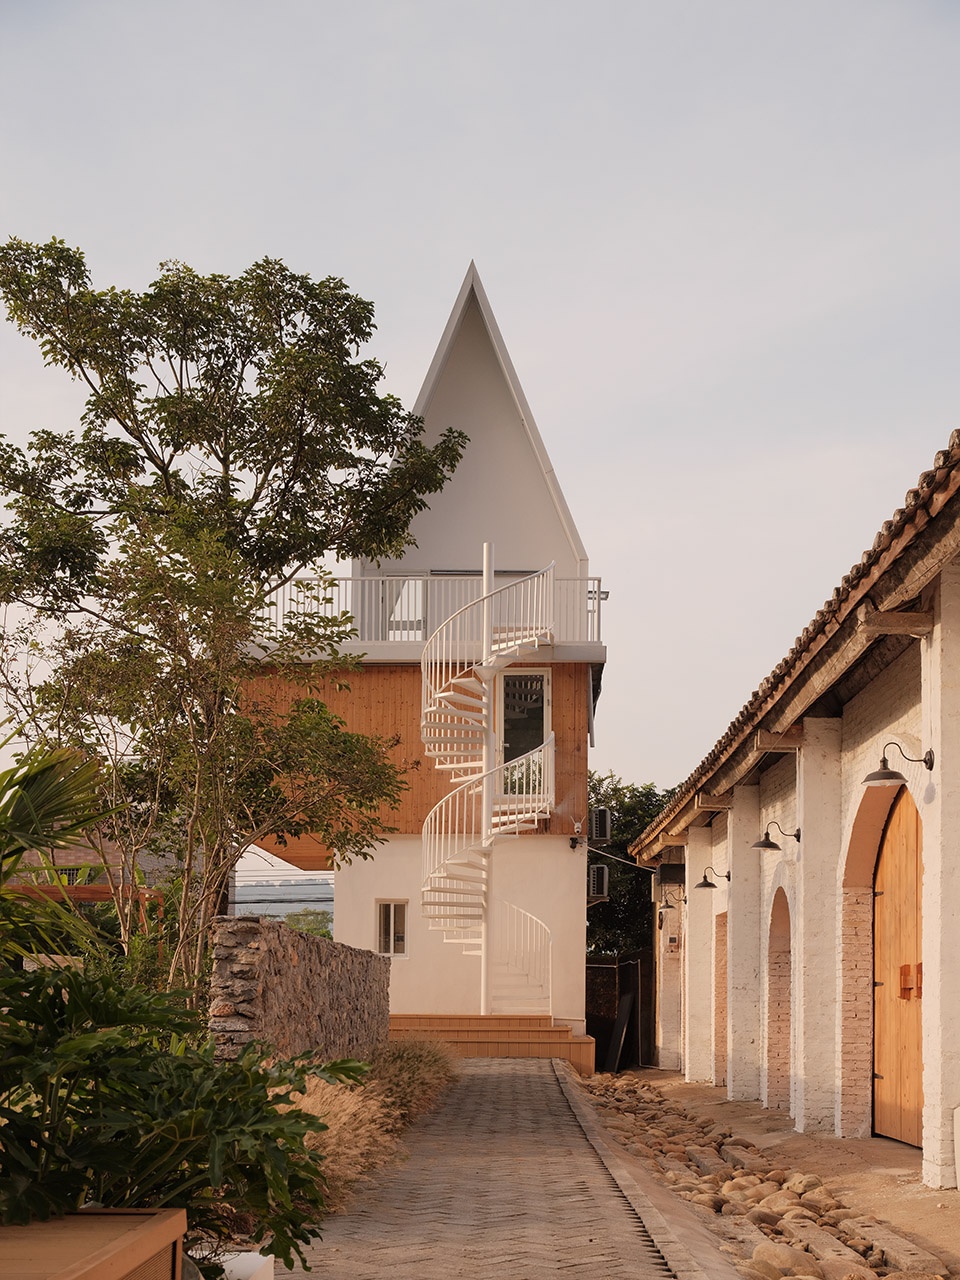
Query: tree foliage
x=238, y=407
x=624, y=922
x=232, y=436
x=311, y=920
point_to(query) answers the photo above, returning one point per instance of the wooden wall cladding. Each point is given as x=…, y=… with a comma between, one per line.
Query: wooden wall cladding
x=384, y=700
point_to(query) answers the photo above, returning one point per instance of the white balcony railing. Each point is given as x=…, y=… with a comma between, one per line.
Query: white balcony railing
x=522, y=944
x=410, y=608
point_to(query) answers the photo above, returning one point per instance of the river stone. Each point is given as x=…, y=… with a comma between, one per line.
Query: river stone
x=836, y=1216
x=820, y=1200
x=801, y=1182
x=708, y=1201
x=790, y=1261
x=760, y=1192
x=767, y=1269
x=763, y=1217
x=734, y=1185
x=779, y=1202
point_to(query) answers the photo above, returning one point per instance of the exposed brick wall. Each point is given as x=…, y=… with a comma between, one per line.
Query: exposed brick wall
x=720, y=1000
x=295, y=992
x=778, y=1006
x=855, y=1086
x=888, y=708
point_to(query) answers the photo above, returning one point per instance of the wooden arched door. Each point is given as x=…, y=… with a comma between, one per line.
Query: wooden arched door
x=898, y=977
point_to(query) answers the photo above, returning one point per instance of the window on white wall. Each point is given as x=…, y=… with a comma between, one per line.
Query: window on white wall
x=392, y=928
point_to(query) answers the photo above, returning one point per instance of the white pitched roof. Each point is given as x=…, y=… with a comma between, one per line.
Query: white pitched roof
x=472, y=290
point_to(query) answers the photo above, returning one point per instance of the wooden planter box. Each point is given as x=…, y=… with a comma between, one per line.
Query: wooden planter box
x=96, y=1244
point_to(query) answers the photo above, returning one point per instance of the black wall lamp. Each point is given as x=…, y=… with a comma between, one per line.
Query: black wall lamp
x=887, y=777
x=668, y=904
x=766, y=843
x=706, y=883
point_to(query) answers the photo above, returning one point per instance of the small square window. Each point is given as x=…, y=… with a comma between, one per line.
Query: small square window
x=392, y=928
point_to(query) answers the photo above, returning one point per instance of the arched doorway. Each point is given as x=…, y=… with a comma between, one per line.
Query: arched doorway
x=898, y=976
x=778, y=1005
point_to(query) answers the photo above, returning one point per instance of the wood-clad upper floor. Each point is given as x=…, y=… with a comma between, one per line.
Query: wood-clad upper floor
x=384, y=700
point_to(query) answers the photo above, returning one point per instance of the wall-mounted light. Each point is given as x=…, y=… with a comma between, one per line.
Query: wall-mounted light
x=765, y=841
x=706, y=883
x=887, y=777
x=669, y=904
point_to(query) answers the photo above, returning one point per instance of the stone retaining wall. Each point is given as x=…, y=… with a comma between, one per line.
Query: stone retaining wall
x=295, y=992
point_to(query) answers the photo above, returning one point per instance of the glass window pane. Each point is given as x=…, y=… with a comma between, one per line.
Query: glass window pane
x=399, y=928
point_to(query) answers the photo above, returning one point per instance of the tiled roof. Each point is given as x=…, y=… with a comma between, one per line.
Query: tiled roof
x=920, y=505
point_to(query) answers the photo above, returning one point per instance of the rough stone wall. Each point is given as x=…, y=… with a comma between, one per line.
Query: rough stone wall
x=295, y=992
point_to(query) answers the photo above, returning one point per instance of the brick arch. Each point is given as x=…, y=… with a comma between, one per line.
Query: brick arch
x=779, y=998
x=854, y=1106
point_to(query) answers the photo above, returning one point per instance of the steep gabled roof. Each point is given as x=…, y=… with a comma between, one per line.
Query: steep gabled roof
x=472, y=290
x=907, y=554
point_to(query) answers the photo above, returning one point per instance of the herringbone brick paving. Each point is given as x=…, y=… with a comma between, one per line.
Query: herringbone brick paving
x=500, y=1181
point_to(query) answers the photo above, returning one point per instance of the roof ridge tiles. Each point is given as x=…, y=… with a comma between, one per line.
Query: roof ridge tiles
x=917, y=499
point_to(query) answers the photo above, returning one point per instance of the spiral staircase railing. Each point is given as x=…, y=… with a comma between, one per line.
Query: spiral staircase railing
x=458, y=665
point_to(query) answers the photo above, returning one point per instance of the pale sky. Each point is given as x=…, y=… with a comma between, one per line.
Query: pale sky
x=720, y=238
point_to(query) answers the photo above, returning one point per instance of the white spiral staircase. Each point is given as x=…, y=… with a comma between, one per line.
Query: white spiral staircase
x=491, y=801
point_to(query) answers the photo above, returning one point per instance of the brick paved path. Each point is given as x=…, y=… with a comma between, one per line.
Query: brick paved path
x=501, y=1181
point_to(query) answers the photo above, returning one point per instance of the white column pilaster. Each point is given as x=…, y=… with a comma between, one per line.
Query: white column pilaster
x=814, y=943
x=743, y=947
x=940, y=813
x=698, y=961
x=669, y=1027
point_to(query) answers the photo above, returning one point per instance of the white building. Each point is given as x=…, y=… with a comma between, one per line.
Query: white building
x=486, y=666
x=820, y=973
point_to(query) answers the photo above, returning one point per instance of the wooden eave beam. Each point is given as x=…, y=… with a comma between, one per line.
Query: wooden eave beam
x=713, y=803
x=904, y=569
x=791, y=740
x=894, y=622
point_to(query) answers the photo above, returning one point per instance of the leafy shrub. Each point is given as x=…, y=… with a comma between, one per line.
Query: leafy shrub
x=104, y=1099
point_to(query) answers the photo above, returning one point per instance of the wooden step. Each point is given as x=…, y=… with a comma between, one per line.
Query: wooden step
x=498, y=1036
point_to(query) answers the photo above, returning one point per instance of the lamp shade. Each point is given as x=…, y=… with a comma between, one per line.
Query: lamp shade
x=884, y=776
x=766, y=843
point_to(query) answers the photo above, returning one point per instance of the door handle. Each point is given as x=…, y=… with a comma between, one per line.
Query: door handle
x=907, y=983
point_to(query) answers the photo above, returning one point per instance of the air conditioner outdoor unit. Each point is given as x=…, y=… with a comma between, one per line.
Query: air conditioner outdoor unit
x=598, y=881
x=600, y=825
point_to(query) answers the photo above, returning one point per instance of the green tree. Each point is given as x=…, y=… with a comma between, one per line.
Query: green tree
x=624, y=922
x=311, y=920
x=232, y=437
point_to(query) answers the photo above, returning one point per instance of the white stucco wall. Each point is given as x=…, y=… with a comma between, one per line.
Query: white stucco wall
x=539, y=874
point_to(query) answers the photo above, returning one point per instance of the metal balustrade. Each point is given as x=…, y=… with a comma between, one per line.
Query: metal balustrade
x=453, y=892
x=523, y=945
x=409, y=608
